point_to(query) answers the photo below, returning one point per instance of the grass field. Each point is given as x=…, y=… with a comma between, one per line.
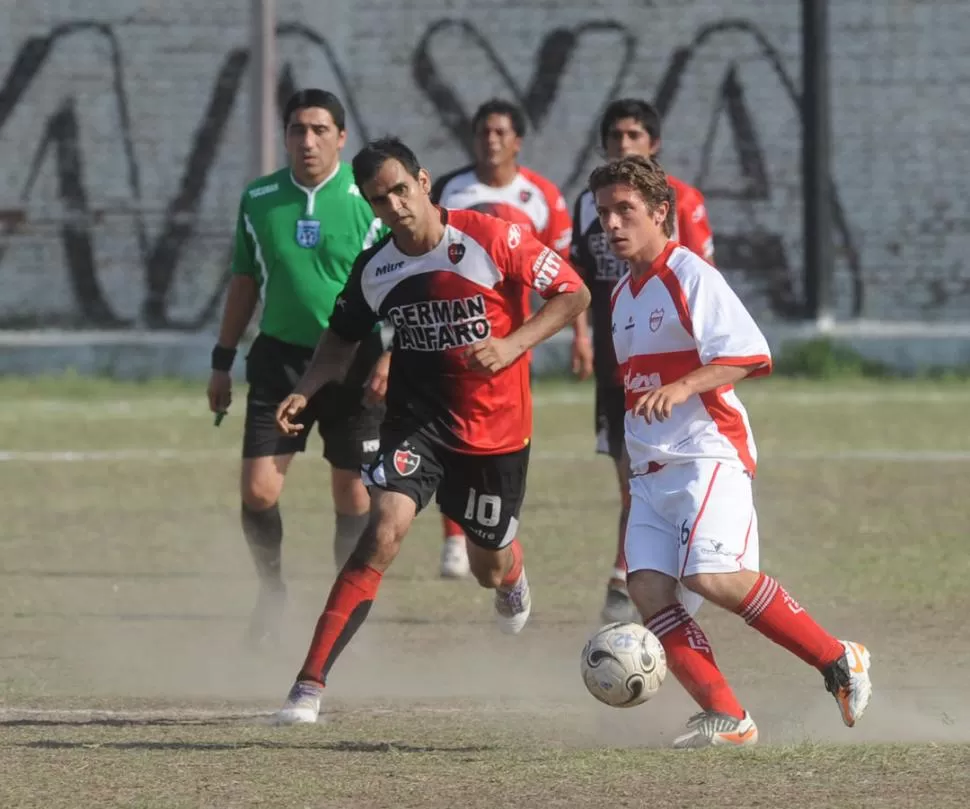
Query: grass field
x=126, y=589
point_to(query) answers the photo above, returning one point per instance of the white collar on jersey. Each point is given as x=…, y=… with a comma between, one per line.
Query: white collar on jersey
x=311, y=193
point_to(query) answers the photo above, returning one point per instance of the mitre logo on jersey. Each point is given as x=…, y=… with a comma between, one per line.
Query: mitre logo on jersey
x=515, y=236
x=640, y=383
x=546, y=269
x=440, y=325
x=307, y=232
x=656, y=319
x=384, y=269
x=406, y=462
x=456, y=252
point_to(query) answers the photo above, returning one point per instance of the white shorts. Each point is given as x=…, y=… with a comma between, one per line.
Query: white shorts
x=689, y=518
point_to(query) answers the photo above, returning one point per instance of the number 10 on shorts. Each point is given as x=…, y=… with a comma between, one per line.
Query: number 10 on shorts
x=485, y=509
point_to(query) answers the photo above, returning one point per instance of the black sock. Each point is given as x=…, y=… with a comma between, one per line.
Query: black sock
x=348, y=531
x=264, y=536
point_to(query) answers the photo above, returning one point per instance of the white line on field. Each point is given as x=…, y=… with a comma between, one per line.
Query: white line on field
x=149, y=455
x=13, y=410
x=175, y=714
x=90, y=714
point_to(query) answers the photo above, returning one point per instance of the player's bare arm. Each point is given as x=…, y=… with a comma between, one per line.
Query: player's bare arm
x=331, y=360
x=582, y=348
x=496, y=353
x=376, y=386
x=660, y=402
x=241, y=300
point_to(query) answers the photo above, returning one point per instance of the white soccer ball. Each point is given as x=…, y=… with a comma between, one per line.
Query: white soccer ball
x=623, y=665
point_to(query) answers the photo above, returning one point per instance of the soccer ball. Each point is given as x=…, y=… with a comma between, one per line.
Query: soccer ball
x=623, y=665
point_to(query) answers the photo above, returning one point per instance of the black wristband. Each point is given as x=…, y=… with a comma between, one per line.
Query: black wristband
x=222, y=358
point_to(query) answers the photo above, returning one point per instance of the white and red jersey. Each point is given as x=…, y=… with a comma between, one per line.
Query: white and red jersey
x=679, y=316
x=439, y=303
x=691, y=226
x=601, y=269
x=530, y=200
x=529, y=193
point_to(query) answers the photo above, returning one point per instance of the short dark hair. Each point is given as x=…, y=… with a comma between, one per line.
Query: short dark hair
x=638, y=109
x=368, y=161
x=499, y=106
x=644, y=175
x=314, y=97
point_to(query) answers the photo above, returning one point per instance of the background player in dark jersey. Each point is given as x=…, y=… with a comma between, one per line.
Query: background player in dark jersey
x=498, y=185
x=459, y=408
x=629, y=126
x=298, y=233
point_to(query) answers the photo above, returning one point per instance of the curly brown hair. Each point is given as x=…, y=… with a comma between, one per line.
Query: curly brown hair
x=642, y=174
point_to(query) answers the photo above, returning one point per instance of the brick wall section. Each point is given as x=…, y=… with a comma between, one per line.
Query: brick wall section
x=123, y=134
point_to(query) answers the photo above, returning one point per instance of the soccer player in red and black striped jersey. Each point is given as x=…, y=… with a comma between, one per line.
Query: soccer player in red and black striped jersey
x=497, y=184
x=459, y=408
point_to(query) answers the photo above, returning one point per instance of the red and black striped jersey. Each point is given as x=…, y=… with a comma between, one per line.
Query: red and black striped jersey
x=439, y=303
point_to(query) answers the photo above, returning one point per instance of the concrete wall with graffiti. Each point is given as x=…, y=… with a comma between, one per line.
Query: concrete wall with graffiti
x=124, y=142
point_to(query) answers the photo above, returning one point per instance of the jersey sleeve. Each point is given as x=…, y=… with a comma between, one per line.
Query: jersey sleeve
x=376, y=231
x=352, y=318
x=522, y=257
x=578, y=253
x=244, y=258
x=559, y=231
x=724, y=331
x=694, y=229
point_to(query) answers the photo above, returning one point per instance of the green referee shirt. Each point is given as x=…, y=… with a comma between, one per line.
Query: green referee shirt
x=300, y=244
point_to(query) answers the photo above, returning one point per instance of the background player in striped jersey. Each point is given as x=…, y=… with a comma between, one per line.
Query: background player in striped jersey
x=298, y=233
x=497, y=185
x=459, y=408
x=683, y=339
x=629, y=126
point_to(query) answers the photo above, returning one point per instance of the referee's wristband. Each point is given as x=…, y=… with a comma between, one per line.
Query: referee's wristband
x=222, y=358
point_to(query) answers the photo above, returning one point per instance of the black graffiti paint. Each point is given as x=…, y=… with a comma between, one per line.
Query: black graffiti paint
x=757, y=253
x=160, y=257
x=761, y=254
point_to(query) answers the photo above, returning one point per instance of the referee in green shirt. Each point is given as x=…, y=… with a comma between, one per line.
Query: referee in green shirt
x=297, y=235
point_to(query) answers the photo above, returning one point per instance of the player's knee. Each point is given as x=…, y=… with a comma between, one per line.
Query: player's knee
x=727, y=590
x=651, y=591
x=258, y=497
x=707, y=585
x=378, y=545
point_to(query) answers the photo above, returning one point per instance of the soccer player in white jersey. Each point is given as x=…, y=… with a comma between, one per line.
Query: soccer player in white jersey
x=683, y=338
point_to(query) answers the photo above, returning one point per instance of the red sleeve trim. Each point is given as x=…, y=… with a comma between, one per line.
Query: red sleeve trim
x=763, y=361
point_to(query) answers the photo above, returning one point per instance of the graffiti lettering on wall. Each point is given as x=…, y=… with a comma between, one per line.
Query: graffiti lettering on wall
x=164, y=238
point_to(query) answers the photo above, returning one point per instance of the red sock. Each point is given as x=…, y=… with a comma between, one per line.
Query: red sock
x=691, y=660
x=451, y=528
x=516, y=570
x=776, y=615
x=350, y=600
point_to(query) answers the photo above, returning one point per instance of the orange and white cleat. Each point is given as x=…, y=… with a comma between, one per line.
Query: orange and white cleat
x=713, y=729
x=847, y=679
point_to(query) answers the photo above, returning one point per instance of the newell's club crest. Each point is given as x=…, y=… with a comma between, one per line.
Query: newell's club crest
x=656, y=319
x=406, y=462
x=456, y=252
x=525, y=195
x=307, y=232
